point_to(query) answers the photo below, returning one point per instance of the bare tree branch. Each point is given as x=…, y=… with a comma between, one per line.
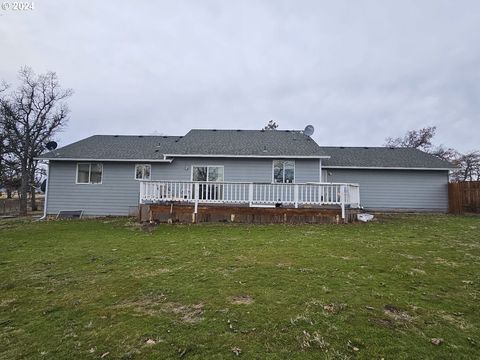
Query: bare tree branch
x=272, y=125
x=30, y=116
x=467, y=165
x=417, y=139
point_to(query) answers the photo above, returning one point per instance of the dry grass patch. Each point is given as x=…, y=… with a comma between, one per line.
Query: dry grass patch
x=241, y=300
x=314, y=340
x=456, y=320
x=154, y=305
x=396, y=314
x=333, y=308
x=139, y=273
x=189, y=314
x=441, y=261
x=145, y=305
x=417, y=271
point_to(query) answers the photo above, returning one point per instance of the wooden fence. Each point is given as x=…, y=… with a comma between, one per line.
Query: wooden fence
x=464, y=197
x=12, y=206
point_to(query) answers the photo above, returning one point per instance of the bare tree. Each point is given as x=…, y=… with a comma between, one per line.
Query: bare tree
x=31, y=115
x=4, y=155
x=444, y=153
x=10, y=177
x=417, y=139
x=272, y=125
x=468, y=167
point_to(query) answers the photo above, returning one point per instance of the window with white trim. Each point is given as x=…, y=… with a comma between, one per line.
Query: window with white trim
x=283, y=171
x=143, y=171
x=89, y=173
x=207, y=173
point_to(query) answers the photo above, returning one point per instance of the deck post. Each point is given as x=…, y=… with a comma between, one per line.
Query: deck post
x=195, y=211
x=250, y=194
x=358, y=196
x=197, y=190
x=142, y=192
x=342, y=200
x=295, y=195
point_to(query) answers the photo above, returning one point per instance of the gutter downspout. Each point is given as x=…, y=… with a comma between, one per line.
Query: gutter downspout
x=46, y=194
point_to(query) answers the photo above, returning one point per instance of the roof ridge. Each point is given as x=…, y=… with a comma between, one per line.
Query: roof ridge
x=256, y=130
x=135, y=136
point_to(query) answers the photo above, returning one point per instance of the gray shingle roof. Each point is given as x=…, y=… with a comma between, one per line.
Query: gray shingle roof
x=247, y=143
x=196, y=142
x=115, y=147
x=241, y=143
x=381, y=157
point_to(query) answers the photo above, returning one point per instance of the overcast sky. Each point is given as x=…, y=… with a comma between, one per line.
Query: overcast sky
x=357, y=70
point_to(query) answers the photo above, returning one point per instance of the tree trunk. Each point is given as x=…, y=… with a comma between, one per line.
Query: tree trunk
x=9, y=193
x=24, y=190
x=33, y=201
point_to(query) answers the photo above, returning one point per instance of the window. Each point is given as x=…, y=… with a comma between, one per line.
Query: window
x=283, y=171
x=89, y=173
x=142, y=171
x=207, y=173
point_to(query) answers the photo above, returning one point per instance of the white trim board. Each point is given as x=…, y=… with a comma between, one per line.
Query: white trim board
x=382, y=168
x=108, y=160
x=249, y=156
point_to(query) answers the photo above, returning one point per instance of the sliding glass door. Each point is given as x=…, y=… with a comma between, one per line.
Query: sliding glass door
x=206, y=174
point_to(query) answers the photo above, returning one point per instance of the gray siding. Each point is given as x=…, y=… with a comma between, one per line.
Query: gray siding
x=248, y=170
x=119, y=191
x=397, y=189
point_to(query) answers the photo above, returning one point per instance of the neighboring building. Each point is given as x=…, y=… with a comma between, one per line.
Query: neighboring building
x=111, y=174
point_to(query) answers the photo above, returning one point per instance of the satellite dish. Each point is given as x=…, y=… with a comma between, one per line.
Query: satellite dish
x=51, y=145
x=43, y=187
x=309, y=129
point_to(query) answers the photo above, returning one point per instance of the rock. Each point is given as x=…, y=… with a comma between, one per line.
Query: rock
x=436, y=341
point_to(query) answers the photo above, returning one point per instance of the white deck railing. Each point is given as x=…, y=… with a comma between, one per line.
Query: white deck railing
x=253, y=194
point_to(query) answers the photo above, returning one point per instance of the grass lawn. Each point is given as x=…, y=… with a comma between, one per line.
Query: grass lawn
x=109, y=289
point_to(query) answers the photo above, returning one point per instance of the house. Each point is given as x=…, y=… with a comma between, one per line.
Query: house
x=112, y=174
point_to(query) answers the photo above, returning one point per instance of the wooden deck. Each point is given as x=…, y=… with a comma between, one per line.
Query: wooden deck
x=185, y=213
x=240, y=194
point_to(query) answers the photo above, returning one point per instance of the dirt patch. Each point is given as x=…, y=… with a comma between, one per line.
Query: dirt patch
x=242, y=300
